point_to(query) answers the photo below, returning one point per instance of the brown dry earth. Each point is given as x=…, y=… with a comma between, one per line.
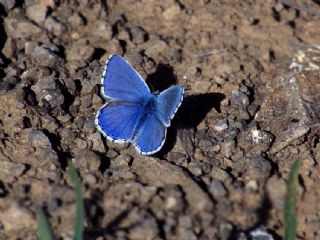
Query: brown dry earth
x=251, y=73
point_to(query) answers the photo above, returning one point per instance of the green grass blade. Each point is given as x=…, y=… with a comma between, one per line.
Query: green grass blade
x=43, y=226
x=79, y=218
x=290, y=221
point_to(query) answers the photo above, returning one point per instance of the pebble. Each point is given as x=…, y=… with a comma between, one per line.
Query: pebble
x=79, y=51
x=220, y=174
x=21, y=28
x=139, y=36
x=48, y=90
x=97, y=143
x=89, y=179
x=8, y=4
x=54, y=26
x=225, y=231
x=254, y=140
x=221, y=125
x=119, y=163
x=76, y=20
x=89, y=125
x=10, y=169
x=46, y=54
x=36, y=138
x=15, y=218
x=228, y=147
x=144, y=227
x=240, y=99
x=81, y=143
x=103, y=30
x=217, y=189
x=195, y=168
x=258, y=168
x=67, y=136
x=177, y=158
x=260, y=234
x=87, y=159
x=37, y=13
x=112, y=153
x=231, y=133
x=85, y=101
x=172, y=12
x=276, y=188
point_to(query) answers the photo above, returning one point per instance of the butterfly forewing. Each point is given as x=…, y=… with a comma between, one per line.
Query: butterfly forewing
x=121, y=81
x=118, y=119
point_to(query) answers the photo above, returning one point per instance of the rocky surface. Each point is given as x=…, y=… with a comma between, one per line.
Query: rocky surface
x=251, y=71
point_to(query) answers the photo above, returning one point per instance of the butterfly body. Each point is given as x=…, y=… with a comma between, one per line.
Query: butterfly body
x=134, y=114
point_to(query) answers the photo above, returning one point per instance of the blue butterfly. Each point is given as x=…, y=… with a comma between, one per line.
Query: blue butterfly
x=134, y=114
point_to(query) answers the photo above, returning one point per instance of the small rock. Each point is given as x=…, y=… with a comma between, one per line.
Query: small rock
x=87, y=159
x=10, y=169
x=228, y=147
x=89, y=125
x=240, y=99
x=37, y=13
x=144, y=227
x=97, y=143
x=186, y=234
x=185, y=142
x=37, y=138
x=220, y=174
x=79, y=51
x=231, y=133
x=8, y=4
x=112, y=153
x=119, y=163
x=16, y=218
x=102, y=29
x=89, y=179
x=177, y=158
x=225, y=230
x=172, y=12
x=255, y=141
x=21, y=28
x=221, y=125
x=217, y=189
x=48, y=90
x=54, y=26
x=258, y=168
x=76, y=20
x=81, y=144
x=276, y=188
x=195, y=168
x=260, y=234
x=46, y=54
x=138, y=35
x=67, y=136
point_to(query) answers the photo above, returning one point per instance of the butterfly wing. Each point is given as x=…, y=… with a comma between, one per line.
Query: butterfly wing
x=121, y=81
x=117, y=120
x=151, y=135
x=168, y=103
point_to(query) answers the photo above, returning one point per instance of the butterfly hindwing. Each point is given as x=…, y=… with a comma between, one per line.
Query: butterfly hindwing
x=151, y=135
x=121, y=81
x=168, y=103
x=118, y=119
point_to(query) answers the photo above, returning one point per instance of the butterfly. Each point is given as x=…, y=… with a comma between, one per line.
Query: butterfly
x=133, y=113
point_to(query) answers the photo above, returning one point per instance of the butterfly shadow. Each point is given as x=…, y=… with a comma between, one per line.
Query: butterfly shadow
x=162, y=78
x=191, y=113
